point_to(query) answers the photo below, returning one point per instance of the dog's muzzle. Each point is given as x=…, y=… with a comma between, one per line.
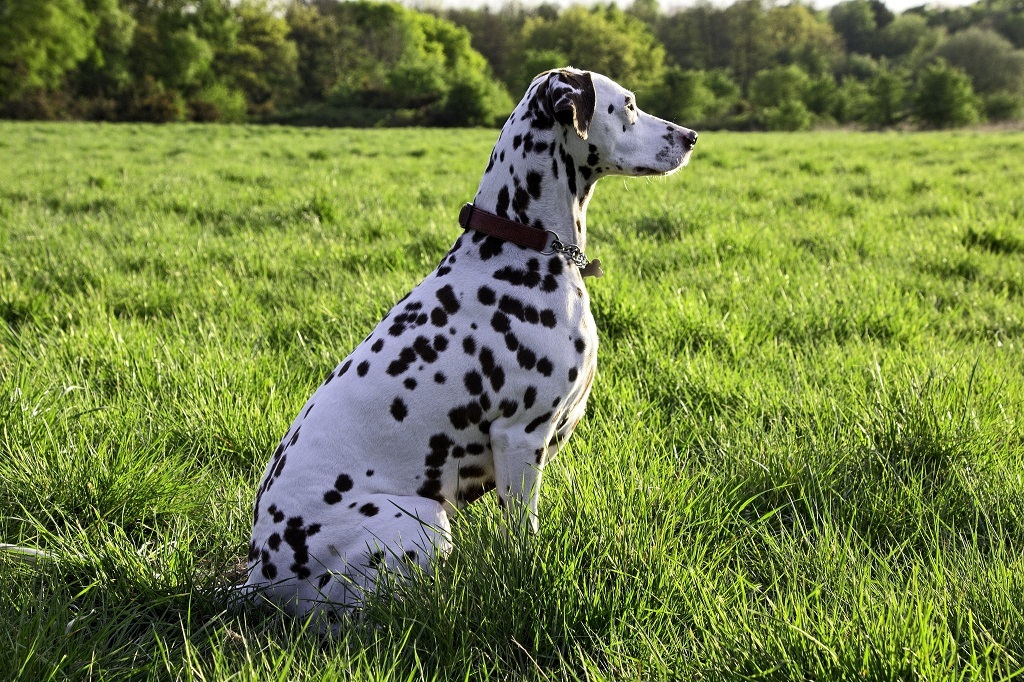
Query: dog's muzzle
x=689, y=138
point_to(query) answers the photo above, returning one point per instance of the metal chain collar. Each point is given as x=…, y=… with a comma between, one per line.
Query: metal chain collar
x=588, y=268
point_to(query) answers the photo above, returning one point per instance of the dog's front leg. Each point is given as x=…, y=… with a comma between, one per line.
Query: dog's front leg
x=517, y=475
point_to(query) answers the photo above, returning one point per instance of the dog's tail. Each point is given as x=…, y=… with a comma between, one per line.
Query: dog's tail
x=25, y=555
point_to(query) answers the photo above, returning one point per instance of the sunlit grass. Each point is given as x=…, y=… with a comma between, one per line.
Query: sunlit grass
x=801, y=460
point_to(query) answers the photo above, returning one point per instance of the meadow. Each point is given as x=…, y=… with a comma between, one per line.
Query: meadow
x=802, y=457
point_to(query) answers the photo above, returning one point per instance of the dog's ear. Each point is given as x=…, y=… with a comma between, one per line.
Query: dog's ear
x=573, y=99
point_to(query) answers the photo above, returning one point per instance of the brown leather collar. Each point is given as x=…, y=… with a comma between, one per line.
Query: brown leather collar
x=471, y=217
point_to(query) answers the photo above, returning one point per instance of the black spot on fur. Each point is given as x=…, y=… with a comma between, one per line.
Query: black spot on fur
x=573, y=373
x=581, y=345
x=500, y=323
x=529, y=397
x=532, y=426
x=439, y=378
x=343, y=483
x=332, y=497
x=423, y=348
x=471, y=471
x=431, y=489
x=377, y=345
x=501, y=208
x=363, y=368
x=544, y=367
x=446, y=295
x=469, y=345
x=485, y=295
x=491, y=247
x=409, y=383
x=398, y=410
x=459, y=417
x=547, y=318
x=486, y=361
x=529, y=278
x=474, y=383
x=533, y=184
x=406, y=357
x=438, y=317
x=508, y=407
x=369, y=509
x=474, y=492
x=520, y=202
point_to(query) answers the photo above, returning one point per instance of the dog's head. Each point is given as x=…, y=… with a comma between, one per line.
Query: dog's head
x=602, y=122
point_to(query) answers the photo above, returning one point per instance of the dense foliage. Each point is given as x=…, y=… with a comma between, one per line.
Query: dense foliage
x=750, y=65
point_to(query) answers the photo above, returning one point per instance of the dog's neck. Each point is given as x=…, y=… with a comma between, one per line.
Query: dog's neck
x=533, y=178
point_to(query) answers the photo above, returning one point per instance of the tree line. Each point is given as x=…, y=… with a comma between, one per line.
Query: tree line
x=751, y=65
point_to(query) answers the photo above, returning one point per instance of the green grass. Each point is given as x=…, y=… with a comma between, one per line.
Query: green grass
x=802, y=457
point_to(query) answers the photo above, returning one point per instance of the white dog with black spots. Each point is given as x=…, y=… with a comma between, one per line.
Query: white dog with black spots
x=470, y=383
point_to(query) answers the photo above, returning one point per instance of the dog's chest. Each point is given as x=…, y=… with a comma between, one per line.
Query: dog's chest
x=497, y=339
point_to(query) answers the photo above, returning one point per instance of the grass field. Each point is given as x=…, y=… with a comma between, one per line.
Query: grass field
x=802, y=457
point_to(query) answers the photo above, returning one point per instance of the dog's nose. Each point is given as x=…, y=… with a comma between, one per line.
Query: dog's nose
x=690, y=137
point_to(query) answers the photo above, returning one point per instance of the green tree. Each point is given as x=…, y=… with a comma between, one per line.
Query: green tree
x=492, y=34
x=855, y=21
x=791, y=115
x=821, y=96
x=605, y=40
x=907, y=33
x=697, y=38
x=263, y=62
x=40, y=41
x=384, y=63
x=176, y=41
x=1004, y=106
x=987, y=57
x=944, y=97
x=795, y=34
x=772, y=87
x=888, y=90
x=778, y=95
x=748, y=51
x=106, y=70
x=852, y=101
x=683, y=96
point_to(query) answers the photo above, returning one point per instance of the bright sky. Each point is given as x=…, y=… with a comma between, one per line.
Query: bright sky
x=668, y=5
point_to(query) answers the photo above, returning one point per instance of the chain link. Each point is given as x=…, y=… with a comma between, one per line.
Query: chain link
x=572, y=252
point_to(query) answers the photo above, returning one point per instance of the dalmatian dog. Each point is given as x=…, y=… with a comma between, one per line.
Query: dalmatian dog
x=474, y=380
